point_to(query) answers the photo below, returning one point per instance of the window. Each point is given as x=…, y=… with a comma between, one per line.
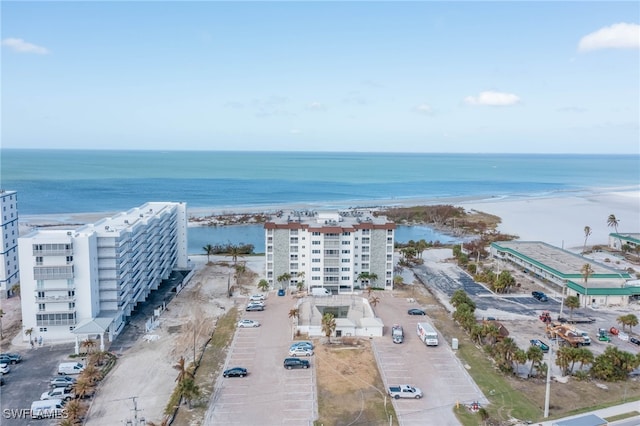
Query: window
x=365, y=257
x=40, y=294
x=72, y=328
x=43, y=329
x=315, y=269
x=41, y=306
x=72, y=306
x=345, y=269
x=365, y=266
x=346, y=251
x=315, y=243
x=315, y=278
x=346, y=243
x=315, y=260
x=316, y=251
x=38, y=260
x=366, y=240
x=69, y=259
x=315, y=234
x=293, y=240
x=293, y=257
x=345, y=260
x=389, y=240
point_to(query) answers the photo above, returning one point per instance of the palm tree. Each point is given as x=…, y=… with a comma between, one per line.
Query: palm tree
x=189, y=390
x=586, y=271
x=587, y=232
x=88, y=344
x=29, y=332
x=75, y=410
x=209, y=251
x=183, y=372
x=328, y=325
x=286, y=277
x=235, y=251
x=632, y=321
x=15, y=289
x=374, y=300
x=91, y=373
x=83, y=387
x=572, y=302
x=294, y=313
x=263, y=285
x=613, y=222
x=367, y=277
x=584, y=356
x=535, y=355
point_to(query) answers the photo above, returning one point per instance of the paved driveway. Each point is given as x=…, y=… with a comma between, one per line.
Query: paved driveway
x=435, y=370
x=269, y=395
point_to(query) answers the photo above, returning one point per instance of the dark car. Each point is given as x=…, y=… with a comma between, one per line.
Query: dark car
x=254, y=308
x=416, y=312
x=281, y=292
x=539, y=343
x=9, y=358
x=235, y=372
x=62, y=381
x=290, y=363
x=634, y=340
x=540, y=296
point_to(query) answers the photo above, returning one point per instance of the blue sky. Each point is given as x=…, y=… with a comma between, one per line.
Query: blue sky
x=544, y=77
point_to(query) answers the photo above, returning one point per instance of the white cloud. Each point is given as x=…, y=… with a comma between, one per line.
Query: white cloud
x=21, y=46
x=423, y=109
x=295, y=132
x=492, y=99
x=617, y=36
x=316, y=106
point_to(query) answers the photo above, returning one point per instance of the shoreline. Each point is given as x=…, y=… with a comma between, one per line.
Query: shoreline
x=556, y=218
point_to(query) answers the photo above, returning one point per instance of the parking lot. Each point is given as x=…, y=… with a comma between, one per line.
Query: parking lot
x=434, y=369
x=27, y=380
x=269, y=394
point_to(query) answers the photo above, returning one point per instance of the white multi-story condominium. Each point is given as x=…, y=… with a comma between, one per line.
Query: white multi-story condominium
x=340, y=251
x=10, y=268
x=87, y=281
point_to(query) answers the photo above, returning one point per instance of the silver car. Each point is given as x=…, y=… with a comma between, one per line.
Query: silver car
x=299, y=351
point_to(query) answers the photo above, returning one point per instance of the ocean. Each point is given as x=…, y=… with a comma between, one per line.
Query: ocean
x=54, y=182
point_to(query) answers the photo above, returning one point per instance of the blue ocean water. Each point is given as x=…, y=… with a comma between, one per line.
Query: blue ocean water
x=51, y=182
x=76, y=181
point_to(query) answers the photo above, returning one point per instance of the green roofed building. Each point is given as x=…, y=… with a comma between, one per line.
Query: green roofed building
x=563, y=269
x=620, y=241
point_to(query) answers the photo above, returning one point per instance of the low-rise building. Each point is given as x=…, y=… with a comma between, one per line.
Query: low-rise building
x=603, y=286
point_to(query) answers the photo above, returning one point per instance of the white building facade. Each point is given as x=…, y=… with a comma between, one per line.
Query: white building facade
x=88, y=280
x=333, y=250
x=10, y=268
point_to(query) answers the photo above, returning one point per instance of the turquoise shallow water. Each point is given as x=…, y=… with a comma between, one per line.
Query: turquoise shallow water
x=61, y=181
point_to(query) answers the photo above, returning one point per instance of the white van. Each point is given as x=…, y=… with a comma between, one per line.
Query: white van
x=70, y=368
x=49, y=408
x=320, y=291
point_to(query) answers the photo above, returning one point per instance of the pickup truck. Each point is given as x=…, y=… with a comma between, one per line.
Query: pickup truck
x=539, y=343
x=405, y=391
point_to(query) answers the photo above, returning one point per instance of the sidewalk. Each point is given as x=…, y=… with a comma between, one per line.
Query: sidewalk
x=628, y=407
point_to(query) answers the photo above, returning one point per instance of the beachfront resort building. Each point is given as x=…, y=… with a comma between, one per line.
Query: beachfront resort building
x=86, y=281
x=564, y=270
x=340, y=251
x=10, y=268
x=630, y=241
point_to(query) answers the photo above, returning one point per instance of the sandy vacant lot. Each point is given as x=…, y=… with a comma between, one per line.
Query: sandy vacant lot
x=145, y=370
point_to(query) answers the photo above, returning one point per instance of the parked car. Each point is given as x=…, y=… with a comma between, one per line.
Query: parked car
x=281, y=292
x=248, y=323
x=62, y=381
x=290, y=363
x=257, y=297
x=250, y=308
x=539, y=343
x=4, y=368
x=58, y=393
x=300, y=351
x=13, y=358
x=256, y=303
x=416, y=311
x=235, y=372
x=634, y=340
x=302, y=344
x=540, y=296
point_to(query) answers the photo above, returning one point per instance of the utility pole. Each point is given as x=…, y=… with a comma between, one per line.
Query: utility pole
x=136, y=421
x=547, y=395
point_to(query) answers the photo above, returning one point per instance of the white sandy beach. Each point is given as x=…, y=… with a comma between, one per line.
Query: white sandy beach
x=558, y=220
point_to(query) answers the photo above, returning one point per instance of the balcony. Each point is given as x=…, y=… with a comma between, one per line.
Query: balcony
x=61, y=298
x=52, y=272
